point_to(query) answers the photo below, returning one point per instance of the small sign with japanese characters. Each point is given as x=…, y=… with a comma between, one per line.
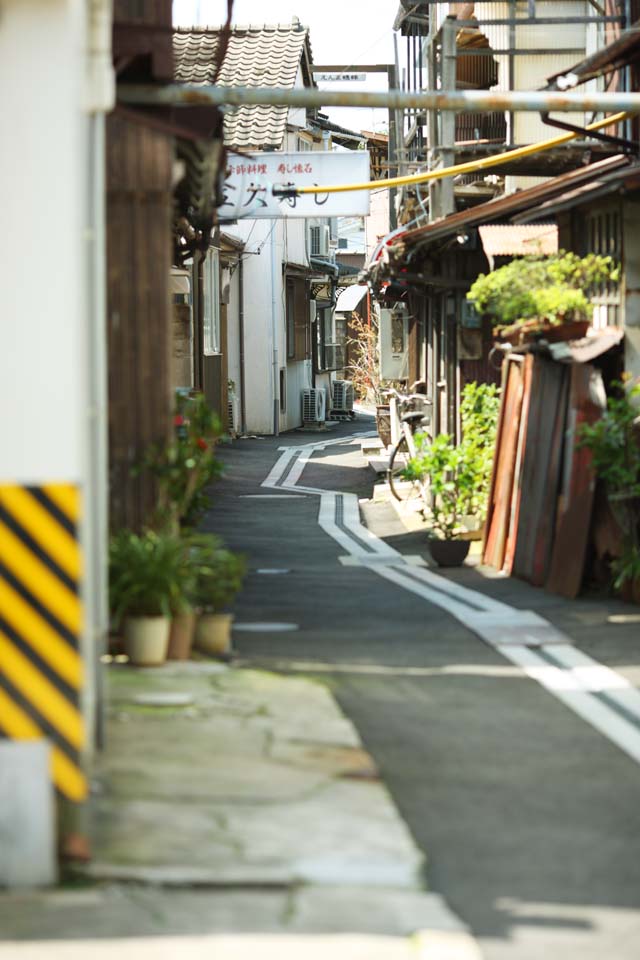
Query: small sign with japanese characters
x=337, y=77
x=250, y=181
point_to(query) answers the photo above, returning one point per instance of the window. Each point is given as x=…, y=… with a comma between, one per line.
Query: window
x=283, y=389
x=298, y=318
x=604, y=232
x=211, y=317
x=330, y=353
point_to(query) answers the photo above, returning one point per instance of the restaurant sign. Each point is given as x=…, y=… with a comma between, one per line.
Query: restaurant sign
x=262, y=185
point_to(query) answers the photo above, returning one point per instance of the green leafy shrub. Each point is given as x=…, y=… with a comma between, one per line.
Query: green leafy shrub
x=218, y=572
x=479, y=409
x=615, y=448
x=149, y=574
x=554, y=289
x=458, y=477
x=450, y=482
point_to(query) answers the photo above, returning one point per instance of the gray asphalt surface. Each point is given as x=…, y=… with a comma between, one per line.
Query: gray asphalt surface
x=529, y=817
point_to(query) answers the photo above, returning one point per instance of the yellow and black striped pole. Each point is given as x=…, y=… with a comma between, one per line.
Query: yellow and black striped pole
x=41, y=669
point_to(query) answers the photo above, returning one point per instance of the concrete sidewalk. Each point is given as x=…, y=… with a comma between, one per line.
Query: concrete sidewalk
x=234, y=809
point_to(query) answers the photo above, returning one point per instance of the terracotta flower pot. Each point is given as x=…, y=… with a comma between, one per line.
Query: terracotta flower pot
x=449, y=553
x=181, y=636
x=146, y=640
x=213, y=634
x=531, y=331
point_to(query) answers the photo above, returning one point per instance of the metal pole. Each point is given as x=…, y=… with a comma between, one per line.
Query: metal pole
x=458, y=101
x=274, y=333
x=395, y=134
x=96, y=508
x=446, y=157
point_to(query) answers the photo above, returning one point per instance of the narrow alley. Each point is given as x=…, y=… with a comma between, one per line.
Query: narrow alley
x=320, y=480
x=527, y=815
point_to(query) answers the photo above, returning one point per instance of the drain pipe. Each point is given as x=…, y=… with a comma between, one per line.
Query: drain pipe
x=274, y=334
x=243, y=402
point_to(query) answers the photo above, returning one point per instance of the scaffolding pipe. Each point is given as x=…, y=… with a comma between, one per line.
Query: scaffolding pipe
x=460, y=101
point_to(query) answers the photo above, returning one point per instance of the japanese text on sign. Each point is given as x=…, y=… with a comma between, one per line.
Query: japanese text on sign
x=250, y=180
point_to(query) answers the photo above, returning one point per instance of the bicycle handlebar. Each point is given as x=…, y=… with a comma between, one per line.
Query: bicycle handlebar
x=407, y=397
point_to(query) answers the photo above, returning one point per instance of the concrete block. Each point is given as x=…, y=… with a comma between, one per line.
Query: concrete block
x=27, y=815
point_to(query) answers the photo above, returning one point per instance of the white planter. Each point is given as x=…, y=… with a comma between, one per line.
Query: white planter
x=146, y=640
x=213, y=634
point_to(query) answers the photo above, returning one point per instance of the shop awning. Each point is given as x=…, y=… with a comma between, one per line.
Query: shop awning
x=351, y=297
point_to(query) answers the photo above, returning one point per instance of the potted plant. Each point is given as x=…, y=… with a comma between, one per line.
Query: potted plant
x=546, y=297
x=218, y=578
x=614, y=442
x=451, y=488
x=183, y=615
x=148, y=577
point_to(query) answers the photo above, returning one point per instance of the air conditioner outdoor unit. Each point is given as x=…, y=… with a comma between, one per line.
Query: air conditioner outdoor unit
x=342, y=396
x=313, y=405
x=334, y=356
x=233, y=425
x=320, y=239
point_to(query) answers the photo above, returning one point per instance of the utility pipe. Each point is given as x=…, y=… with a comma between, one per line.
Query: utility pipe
x=274, y=333
x=243, y=396
x=470, y=167
x=460, y=101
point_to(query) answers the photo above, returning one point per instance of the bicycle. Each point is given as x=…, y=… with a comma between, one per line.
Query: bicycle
x=410, y=422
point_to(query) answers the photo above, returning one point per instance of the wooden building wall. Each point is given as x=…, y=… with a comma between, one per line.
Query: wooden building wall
x=139, y=210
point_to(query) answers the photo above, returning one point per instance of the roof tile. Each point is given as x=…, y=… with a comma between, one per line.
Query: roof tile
x=256, y=56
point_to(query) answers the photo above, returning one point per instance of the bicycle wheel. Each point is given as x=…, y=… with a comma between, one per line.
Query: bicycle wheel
x=406, y=491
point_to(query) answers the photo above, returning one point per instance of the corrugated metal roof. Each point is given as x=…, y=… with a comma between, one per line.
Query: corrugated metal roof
x=508, y=205
x=597, y=187
x=256, y=56
x=507, y=240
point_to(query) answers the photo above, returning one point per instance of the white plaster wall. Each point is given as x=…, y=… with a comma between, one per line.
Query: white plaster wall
x=43, y=191
x=297, y=116
x=376, y=225
x=290, y=240
x=257, y=322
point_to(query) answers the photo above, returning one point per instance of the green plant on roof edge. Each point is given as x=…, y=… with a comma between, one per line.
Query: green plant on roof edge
x=551, y=289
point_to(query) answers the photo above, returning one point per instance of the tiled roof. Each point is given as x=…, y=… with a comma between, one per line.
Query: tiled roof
x=508, y=240
x=259, y=56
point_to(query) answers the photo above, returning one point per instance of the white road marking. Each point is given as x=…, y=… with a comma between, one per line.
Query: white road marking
x=580, y=682
x=272, y=496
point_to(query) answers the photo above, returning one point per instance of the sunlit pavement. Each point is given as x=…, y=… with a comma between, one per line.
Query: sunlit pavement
x=527, y=814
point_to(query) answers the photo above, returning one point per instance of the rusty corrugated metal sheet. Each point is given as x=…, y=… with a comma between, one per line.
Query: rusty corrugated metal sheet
x=541, y=471
x=500, y=498
x=508, y=240
x=575, y=503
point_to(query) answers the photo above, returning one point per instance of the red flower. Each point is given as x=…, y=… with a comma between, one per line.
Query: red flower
x=178, y=420
x=202, y=443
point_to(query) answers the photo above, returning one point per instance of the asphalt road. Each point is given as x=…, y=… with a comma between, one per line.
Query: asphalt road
x=529, y=817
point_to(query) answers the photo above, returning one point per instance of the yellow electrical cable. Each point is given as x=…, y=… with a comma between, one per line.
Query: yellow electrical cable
x=468, y=167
